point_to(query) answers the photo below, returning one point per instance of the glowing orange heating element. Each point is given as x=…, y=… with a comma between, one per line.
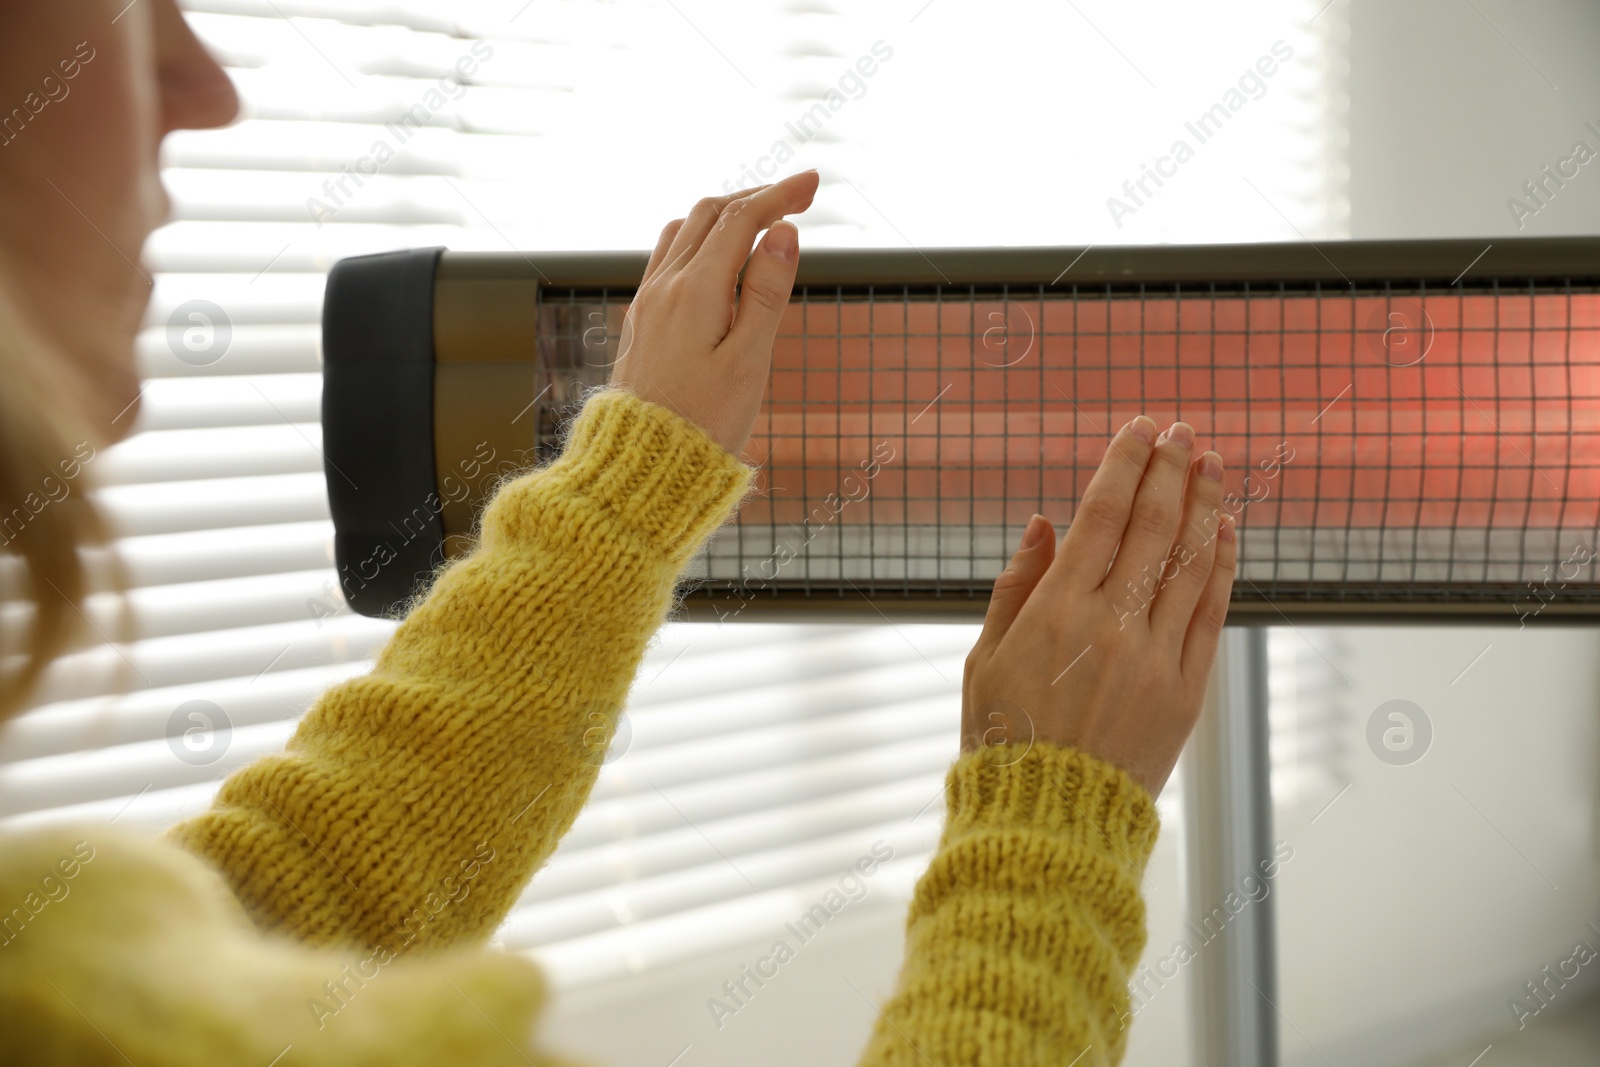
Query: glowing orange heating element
x=1455, y=410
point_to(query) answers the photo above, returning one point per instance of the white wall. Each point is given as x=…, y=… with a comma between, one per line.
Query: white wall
x=1408, y=916
x=1423, y=898
x=1451, y=112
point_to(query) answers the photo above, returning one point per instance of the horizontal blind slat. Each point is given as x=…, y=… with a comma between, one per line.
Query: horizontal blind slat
x=596, y=955
x=213, y=503
x=714, y=881
x=220, y=400
x=198, y=607
x=630, y=948
x=638, y=813
x=85, y=724
x=240, y=652
x=101, y=774
x=782, y=804
x=214, y=452
x=211, y=554
x=266, y=350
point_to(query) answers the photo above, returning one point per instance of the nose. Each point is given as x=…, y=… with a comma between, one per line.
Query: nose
x=196, y=93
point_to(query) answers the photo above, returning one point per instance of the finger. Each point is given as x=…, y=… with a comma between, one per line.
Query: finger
x=717, y=236
x=670, y=231
x=701, y=216
x=1187, y=569
x=699, y=221
x=768, y=281
x=1017, y=582
x=1102, y=516
x=1156, y=509
x=664, y=242
x=1205, y=627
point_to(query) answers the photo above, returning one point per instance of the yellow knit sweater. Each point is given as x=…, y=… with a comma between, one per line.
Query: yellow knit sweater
x=332, y=905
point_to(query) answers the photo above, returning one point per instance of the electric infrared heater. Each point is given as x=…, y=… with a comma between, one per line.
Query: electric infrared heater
x=1409, y=427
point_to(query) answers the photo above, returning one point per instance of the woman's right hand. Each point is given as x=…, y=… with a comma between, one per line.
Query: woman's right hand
x=1106, y=645
x=687, y=343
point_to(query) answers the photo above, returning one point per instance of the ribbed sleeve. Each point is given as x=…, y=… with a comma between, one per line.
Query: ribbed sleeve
x=413, y=804
x=1025, y=928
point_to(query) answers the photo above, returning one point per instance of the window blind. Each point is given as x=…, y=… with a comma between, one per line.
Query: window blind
x=757, y=759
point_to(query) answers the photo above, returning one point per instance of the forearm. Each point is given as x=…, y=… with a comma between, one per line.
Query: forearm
x=1023, y=932
x=413, y=803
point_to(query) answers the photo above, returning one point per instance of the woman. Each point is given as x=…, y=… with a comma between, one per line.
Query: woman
x=331, y=906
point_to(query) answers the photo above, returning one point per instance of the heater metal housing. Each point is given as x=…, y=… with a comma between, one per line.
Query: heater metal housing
x=1410, y=426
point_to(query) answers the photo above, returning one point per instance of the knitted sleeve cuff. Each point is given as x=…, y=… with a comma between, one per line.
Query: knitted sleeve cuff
x=1058, y=790
x=650, y=471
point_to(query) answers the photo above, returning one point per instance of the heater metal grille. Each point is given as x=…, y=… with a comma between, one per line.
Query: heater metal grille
x=1393, y=447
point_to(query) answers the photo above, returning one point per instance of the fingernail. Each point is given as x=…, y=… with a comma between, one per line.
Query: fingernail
x=1211, y=466
x=1034, y=533
x=1144, y=428
x=1181, y=432
x=781, y=243
x=1225, y=530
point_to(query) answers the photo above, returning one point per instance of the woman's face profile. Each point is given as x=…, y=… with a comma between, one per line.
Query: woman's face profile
x=88, y=89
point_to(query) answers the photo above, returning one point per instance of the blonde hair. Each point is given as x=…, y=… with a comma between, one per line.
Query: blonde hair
x=44, y=426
